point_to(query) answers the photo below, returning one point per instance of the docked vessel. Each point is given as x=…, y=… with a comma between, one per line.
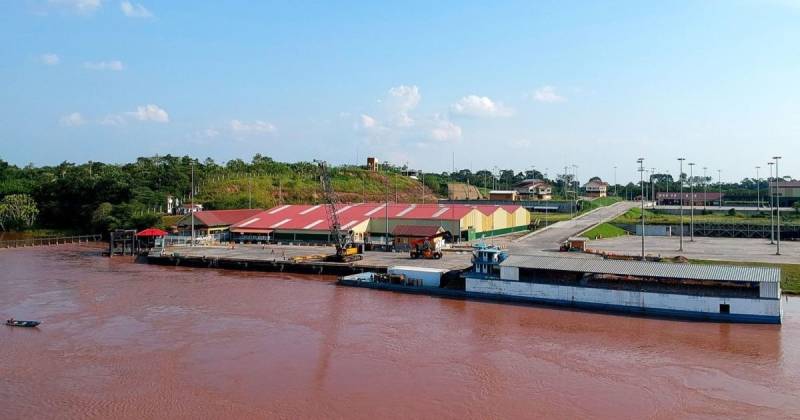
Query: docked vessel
x=705, y=292
x=720, y=293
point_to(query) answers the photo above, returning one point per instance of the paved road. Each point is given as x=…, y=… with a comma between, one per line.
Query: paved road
x=720, y=249
x=550, y=238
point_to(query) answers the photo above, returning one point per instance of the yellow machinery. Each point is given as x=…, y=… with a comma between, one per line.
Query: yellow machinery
x=346, y=250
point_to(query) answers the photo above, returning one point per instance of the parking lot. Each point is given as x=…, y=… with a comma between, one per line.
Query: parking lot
x=721, y=249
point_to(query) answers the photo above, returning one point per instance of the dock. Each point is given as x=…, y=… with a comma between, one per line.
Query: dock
x=287, y=258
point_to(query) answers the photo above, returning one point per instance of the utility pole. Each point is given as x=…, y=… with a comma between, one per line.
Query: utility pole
x=386, y=215
x=640, y=161
x=719, y=181
x=758, y=190
x=705, y=188
x=680, y=196
x=653, y=185
x=771, y=209
x=778, y=200
x=616, y=193
x=577, y=186
x=691, y=201
x=422, y=173
x=250, y=191
x=191, y=208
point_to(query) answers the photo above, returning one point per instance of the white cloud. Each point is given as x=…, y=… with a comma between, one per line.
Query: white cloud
x=49, y=59
x=113, y=120
x=150, y=112
x=445, y=130
x=135, y=10
x=74, y=119
x=258, y=127
x=520, y=144
x=367, y=122
x=210, y=132
x=547, y=94
x=114, y=65
x=400, y=101
x=480, y=106
x=79, y=6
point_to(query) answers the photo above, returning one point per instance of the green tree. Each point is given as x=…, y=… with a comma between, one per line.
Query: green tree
x=17, y=211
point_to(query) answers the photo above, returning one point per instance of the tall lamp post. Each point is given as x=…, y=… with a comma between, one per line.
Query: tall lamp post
x=771, y=209
x=640, y=161
x=615, y=182
x=191, y=209
x=778, y=204
x=680, y=196
x=719, y=181
x=758, y=190
x=705, y=189
x=691, y=202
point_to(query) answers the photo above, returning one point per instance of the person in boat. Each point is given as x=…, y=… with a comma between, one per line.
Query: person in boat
x=10, y=320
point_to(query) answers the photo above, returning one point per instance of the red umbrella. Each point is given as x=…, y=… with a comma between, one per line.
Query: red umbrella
x=151, y=232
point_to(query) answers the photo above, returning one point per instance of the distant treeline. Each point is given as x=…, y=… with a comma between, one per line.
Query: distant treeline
x=96, y=196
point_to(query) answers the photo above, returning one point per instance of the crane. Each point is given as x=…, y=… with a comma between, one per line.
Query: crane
x=343, y=240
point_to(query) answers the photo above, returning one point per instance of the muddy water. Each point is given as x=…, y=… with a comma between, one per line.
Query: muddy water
x=124, y=340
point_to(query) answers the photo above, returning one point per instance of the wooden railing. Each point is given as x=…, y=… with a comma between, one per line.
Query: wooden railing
x=55, y=240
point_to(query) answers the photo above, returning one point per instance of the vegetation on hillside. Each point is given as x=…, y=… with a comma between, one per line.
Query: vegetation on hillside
x=97, y=197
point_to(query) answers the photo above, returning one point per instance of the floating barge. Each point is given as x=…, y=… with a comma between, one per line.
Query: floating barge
x=687, y=291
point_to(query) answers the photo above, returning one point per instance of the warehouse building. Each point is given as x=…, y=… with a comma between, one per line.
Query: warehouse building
x=371, y=222
x=213, y=222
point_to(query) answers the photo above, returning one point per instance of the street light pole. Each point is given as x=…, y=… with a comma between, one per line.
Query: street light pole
x=615, y=182
x=191, y=209
x=705, y=189
x=758, y=190
x=641, y=181
x=680, y=196
x=719, y=181
x=691, y=201
x=771, y=210
x=653, y=186
x=778, y=202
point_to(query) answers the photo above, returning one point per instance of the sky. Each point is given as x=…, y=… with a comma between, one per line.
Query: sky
x=542, y=84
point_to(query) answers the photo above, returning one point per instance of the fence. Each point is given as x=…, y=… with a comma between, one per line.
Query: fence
x=58, y=240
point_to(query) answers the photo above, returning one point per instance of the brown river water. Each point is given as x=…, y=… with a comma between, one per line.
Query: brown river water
x=127, y=340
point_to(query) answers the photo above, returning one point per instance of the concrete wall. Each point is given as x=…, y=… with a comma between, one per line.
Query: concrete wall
x=703, y=304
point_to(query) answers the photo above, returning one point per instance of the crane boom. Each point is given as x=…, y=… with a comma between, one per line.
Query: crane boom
x=342, y=239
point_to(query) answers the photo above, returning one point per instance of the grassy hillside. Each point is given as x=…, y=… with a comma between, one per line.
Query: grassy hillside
x=264, y=191
x=604, y=230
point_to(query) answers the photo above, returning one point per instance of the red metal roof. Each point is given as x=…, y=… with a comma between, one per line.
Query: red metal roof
x=308, y=217
x=417, y=231
x=219, y=217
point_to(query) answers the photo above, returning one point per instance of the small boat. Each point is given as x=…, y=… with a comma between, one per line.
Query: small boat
x=18, y=323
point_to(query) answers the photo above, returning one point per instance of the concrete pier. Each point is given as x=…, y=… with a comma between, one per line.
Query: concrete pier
x=279, y=258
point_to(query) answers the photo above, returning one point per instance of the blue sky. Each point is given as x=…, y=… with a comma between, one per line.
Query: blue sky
x=506, y=84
